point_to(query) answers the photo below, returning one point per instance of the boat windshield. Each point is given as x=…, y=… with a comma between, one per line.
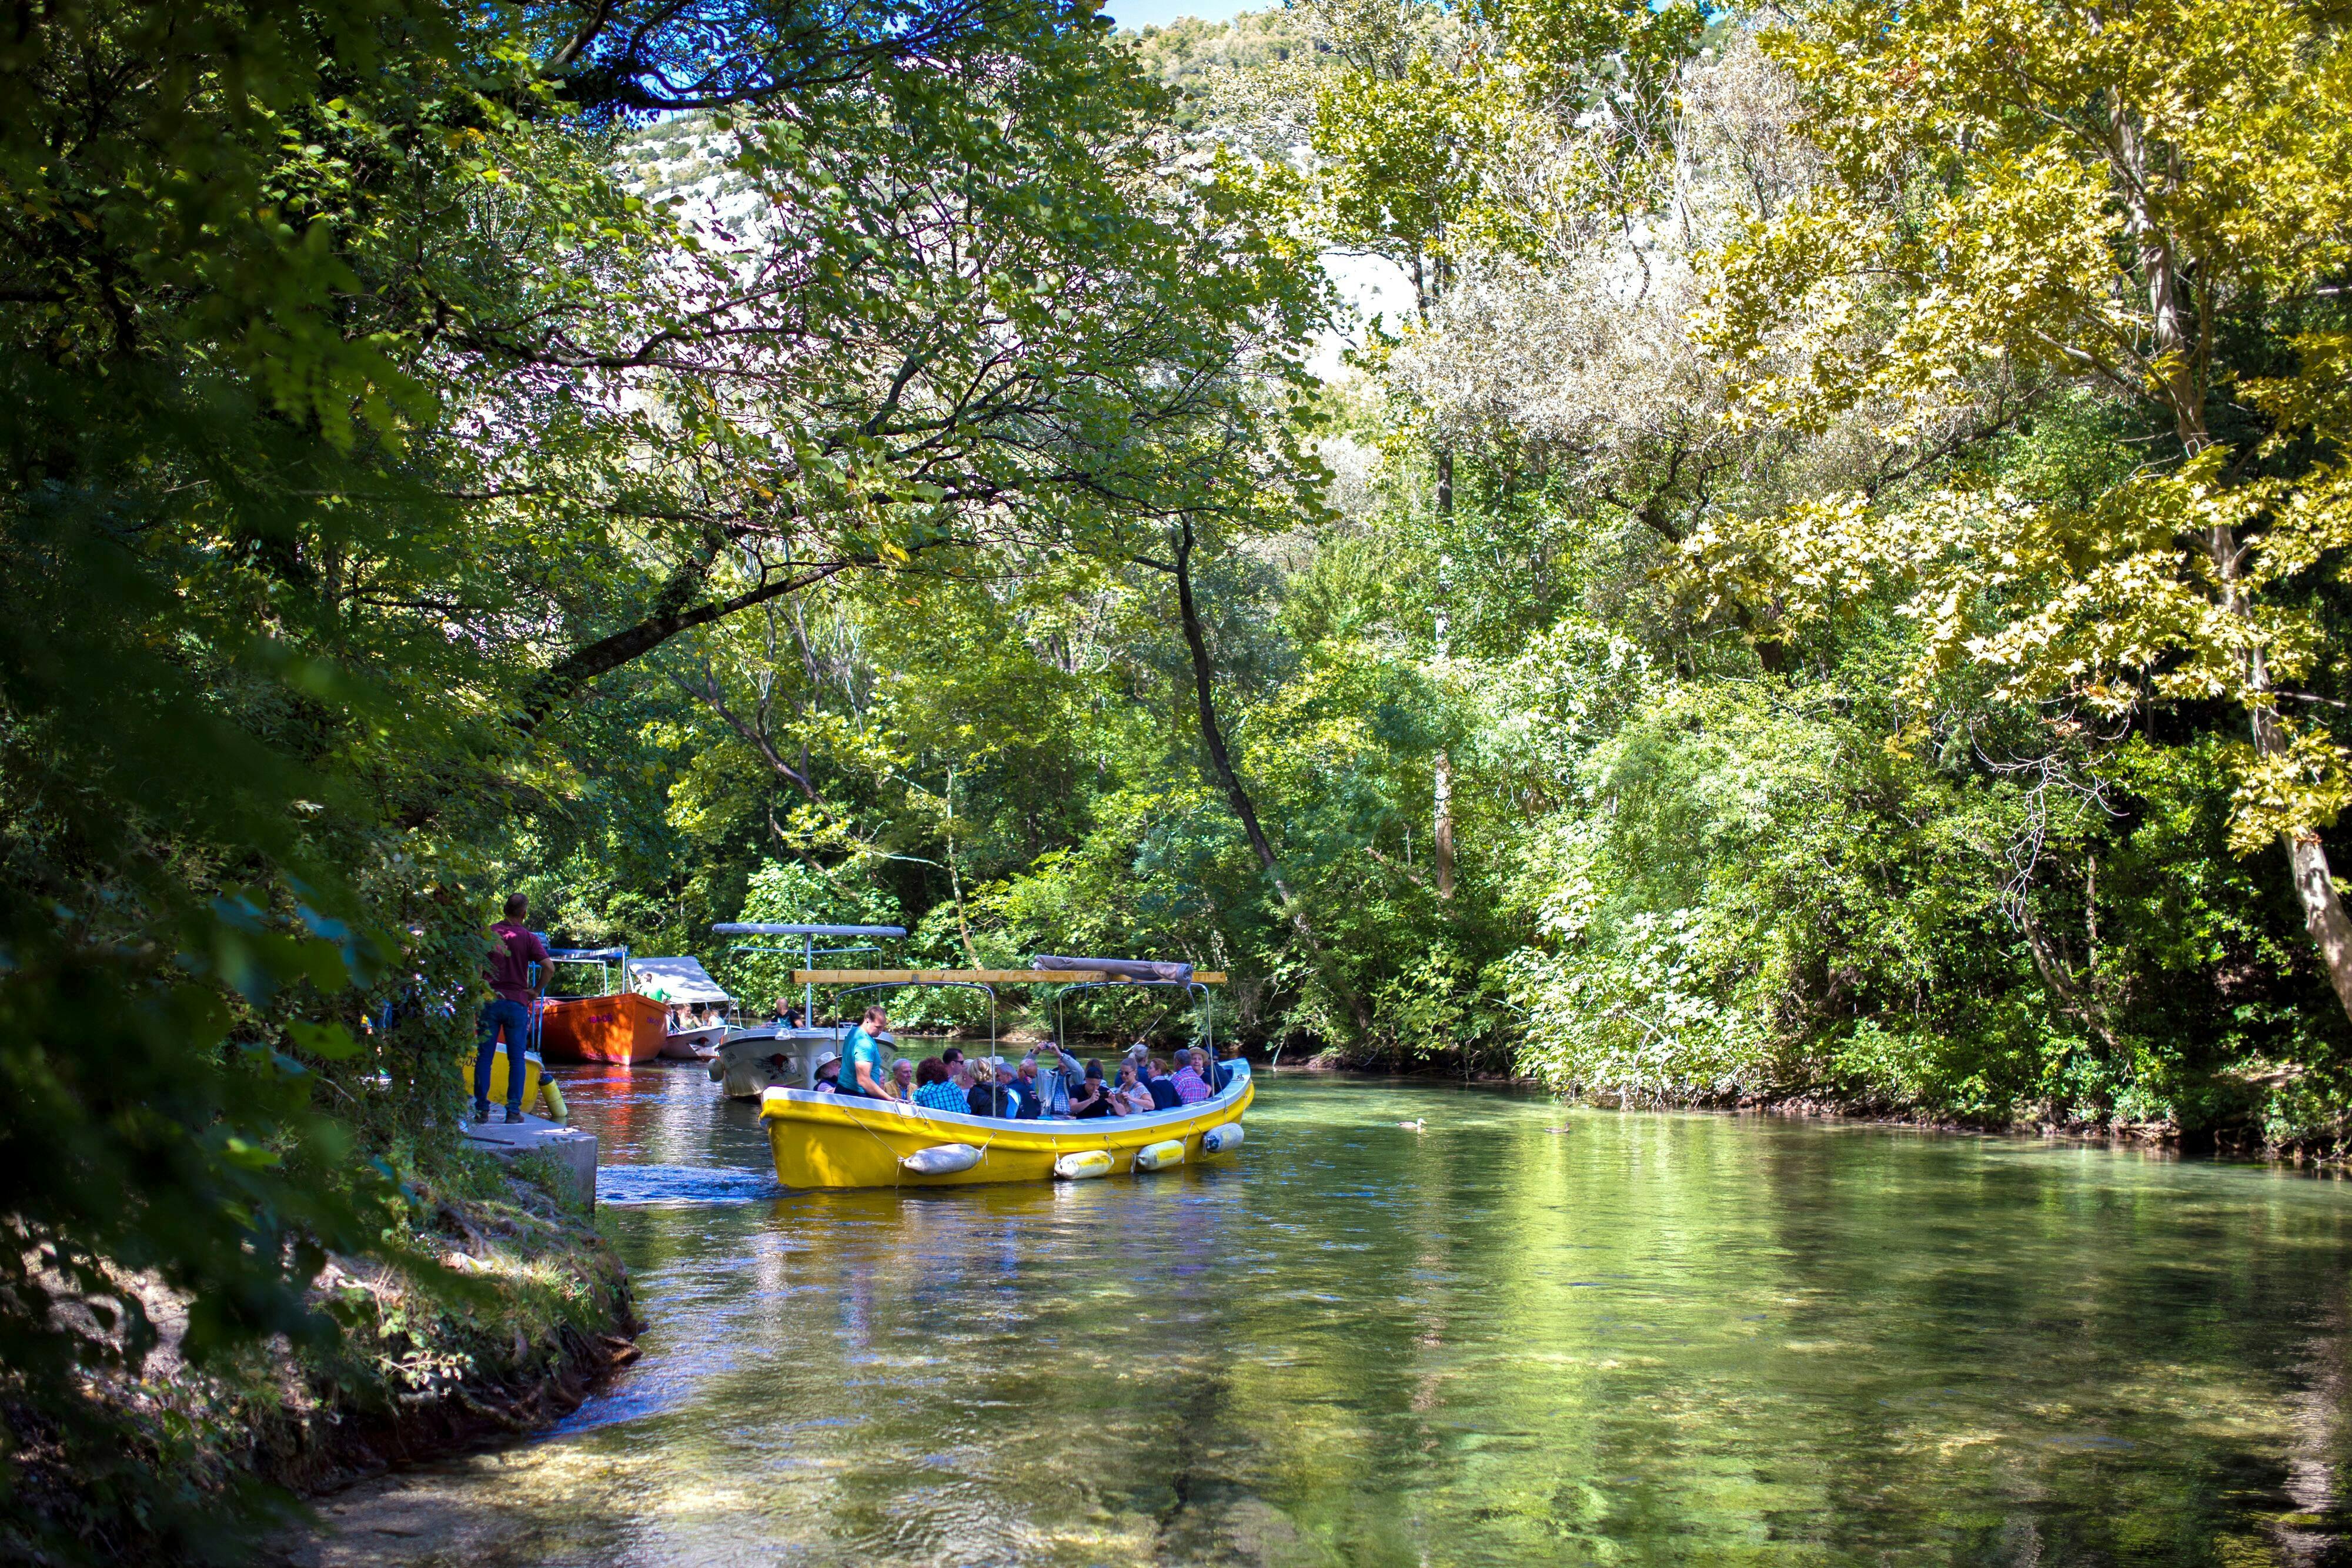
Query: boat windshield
x=568, y=981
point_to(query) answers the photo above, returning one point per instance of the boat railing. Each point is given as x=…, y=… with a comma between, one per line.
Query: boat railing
x=903, y=985
x=602, y=957
x=1241, y=1079
x=809, y=950
x=1208, y=1011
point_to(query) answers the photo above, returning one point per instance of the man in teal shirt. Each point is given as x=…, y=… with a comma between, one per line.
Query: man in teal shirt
x=861, y=1057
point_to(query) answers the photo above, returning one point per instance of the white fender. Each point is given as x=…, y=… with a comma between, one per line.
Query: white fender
x=1217, y=1140
x=1160, y=1156
x=941, y=1159
x=1085, y=1164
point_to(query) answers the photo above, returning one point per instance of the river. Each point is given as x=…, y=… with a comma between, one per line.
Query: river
x=1522, y=1334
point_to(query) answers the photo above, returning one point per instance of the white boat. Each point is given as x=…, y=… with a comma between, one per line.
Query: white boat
x=694, y=1044
x=756, y=1058
x=753, y=1060
x=683, y=982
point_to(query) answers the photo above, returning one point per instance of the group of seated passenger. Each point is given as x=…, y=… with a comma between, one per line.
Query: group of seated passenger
x=1046, y=1084
x=685, y=1016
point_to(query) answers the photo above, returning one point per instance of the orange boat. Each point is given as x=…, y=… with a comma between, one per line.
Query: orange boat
x=617, y=1026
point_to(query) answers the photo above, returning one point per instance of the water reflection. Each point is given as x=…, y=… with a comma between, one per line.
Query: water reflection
x=1646, y=1339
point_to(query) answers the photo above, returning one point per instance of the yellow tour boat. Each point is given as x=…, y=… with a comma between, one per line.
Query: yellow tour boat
x=823, y=1140
x=831, y=1140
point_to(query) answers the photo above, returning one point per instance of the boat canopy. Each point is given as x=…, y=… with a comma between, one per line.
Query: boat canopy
x=734, y=929
x=1170, y=973
x=676, y=980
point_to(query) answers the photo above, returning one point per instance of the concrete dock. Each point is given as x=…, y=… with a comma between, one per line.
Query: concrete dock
x=569, y=1148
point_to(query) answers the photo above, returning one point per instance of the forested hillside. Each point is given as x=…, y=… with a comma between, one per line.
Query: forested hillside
x=1818, y=600
x=1835, y=590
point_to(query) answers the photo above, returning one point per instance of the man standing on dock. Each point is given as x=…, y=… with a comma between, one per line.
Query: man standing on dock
x=515, y=948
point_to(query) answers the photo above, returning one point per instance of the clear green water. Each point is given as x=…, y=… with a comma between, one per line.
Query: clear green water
x=1523, y=1335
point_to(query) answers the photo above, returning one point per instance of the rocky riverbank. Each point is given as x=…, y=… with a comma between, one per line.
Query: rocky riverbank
x=504, y=1312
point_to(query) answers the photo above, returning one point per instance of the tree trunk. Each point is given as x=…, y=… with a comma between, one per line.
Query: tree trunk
x=2306, y=859
x=1213, y=734
x=2077, y=997
x=1442, y=783
x=963, y=927
x=2178, y=378
x=2180, y=384
x=753, y=736
x=1429, y=285
x=672, y=615
x=2323, y=911
x=1443, y=830
x=955, y=879
x=2315, y=884
x=674, y=611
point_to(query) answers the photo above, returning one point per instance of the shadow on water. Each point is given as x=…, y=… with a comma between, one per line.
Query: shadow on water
x=1645, y=1338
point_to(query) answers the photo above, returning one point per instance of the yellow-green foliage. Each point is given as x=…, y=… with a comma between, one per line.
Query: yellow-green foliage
x=2025, y=196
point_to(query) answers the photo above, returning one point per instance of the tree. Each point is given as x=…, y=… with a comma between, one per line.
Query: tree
x=2149, y=205
x=1399, y=132
x=1443, y=142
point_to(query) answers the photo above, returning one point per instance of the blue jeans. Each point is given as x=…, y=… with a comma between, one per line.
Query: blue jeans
x=513, y=1021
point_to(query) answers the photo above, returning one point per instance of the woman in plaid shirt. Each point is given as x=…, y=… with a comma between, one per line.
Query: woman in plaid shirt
x=934, y=1089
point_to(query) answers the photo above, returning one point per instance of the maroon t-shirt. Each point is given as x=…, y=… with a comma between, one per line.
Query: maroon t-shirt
x=515, y=951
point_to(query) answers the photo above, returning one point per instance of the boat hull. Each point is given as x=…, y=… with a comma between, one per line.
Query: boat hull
x=622, y=1029
x=693, y=1044
x=744, y=1065
x=534, y=1066
x=825, y=1140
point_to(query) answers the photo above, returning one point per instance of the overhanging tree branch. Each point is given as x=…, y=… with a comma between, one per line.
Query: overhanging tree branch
x=601, y=657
